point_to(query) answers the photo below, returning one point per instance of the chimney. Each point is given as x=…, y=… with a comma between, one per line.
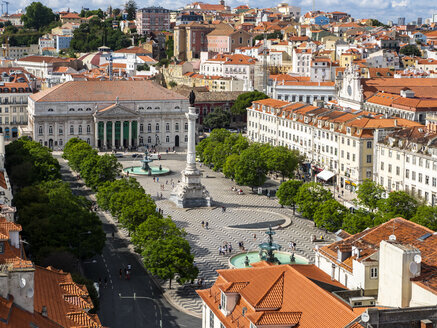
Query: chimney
x=44, y=311
x=425, y=323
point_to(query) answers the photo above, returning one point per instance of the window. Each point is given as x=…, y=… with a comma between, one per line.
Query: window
x=369, y=158
x=157, y=127
x=353, y=157
x=186, y=138
x=149, y=108
x=369, y=144
x=50, y=110
x=80, y=129
x=407, y=174
x=50, y=129
x=426, y=180
x=149, y=127
x=167, y=139
x=88, y=109
x=223, y=301
x=80, y=110
x=382, y=166
x=211, y=319
x=167, y=127
x=413, y=175
x=186, y=126
x=389, y=168
x=176, y=127
x=61, y=131
x=141, y=128
x=88, y=129
x=71, y=110
x=434, y=182
x=149, y=140
x=40, y=130
x=420, y=177
x=71, y=129
x=2, y=247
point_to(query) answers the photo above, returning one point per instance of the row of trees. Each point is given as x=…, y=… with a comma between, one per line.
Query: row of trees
x=94, y=169
x=161, y=243
x=316, y=203
x=54, y=220
x=247, y=163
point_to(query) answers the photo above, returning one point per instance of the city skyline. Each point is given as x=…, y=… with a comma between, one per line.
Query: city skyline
x=382, y=10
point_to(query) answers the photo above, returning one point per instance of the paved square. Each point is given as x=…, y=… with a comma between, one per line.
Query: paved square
x=240, y=209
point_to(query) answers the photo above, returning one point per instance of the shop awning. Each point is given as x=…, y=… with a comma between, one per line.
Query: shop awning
x=325, y=175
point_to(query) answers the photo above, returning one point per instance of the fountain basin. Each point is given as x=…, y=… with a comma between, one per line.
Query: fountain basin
x=138, y=170
x=237, y=261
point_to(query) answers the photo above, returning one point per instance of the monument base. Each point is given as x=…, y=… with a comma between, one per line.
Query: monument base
x=190, y=192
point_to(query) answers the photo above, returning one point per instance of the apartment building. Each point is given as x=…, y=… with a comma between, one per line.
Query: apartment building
x=341, y=142
x=407, y=160
x=190, y=40
x=152, y=19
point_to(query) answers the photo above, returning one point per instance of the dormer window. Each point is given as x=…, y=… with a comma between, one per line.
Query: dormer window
x=71, y=110
x=88, y=109
x=348, y=130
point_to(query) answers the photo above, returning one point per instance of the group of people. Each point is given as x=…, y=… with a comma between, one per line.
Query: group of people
x=241, y=246
x=239, y=190
x=292, y=246
x=205, y=224
x=226, y=248
x=127, y=271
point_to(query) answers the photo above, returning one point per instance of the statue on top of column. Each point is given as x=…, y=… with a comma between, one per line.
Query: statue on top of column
x=192, y=98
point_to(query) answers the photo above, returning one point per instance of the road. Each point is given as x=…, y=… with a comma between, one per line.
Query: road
x=141, y=303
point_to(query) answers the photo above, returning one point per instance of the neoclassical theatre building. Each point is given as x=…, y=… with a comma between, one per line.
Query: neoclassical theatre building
x=109, y=115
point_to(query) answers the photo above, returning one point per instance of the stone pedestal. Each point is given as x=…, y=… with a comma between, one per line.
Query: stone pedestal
x=190, y=192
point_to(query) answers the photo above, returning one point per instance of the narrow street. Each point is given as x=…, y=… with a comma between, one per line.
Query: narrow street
x=136, y=302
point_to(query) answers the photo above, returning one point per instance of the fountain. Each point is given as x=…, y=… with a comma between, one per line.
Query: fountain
x=268, y=251
x=145, y=168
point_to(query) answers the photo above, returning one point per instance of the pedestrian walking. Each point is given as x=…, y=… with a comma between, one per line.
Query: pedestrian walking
x=166, y=182
x=254, y=237
x=161, y=195
x=294, y=246
x=220, y=250
x=203, y=224
x=230, y=248
x=121, y=273
x=223, y=209
x=154, y=179
x=206, y=224
x=157, y=179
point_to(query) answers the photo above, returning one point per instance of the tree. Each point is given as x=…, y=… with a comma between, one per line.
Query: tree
x=410, y=50
x=137, y=207
x=426, y=216
x=245, y=100
x=330, y=215
x=96, y=170
x=251, y=169
x=131, y=8
x=218, y=157
x=358, y=221
x=287, y=192
x=169, y=48
x=169, y=257
x=217, y=119
x=369, y=193
x=398, y=204
x=309, y=197
x=283, y=161
x=172, y=84
x=37, y=16
x=230, y=164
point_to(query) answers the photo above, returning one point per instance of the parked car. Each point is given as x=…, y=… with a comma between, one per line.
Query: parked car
x=118, y=155
x=96, y=286
x=136, y=155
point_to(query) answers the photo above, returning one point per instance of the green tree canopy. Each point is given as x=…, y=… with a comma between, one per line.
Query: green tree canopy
x=251, y=169
x=410, y=50
x=426, y=216
x=283, y=161
x=287, y=192
x=131, y=8
x=230, y=164
x=398, y=204
x=309, y=197
x=330, y=215
x=358, y=221
x=217, y=119
x=37, y=16
x=245, y=100
x=369, y=193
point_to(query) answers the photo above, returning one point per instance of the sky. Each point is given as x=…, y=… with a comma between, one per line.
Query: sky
x=383, y=10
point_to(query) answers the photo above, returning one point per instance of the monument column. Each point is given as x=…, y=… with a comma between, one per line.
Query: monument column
x=190, y=192
x=96, y=133
x=104, y=134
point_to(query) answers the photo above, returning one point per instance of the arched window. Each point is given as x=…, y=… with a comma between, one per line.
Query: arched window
x=167, y=127
x=71, y=109
x=61, y=130
x=141, y=128
x=149, y=140
x=186, y=138
x=176, y=127
x=141, y=141
x=40, y=141
x=141, y=108
x=40, y=130
x=50, y=110
x=88, y=129
x=177, y=107
x=88, y=141
x=149, y=127
x=88, y=109
x=60, y=142
x=186, y=126
x=167, y=139
x=157, y=107
x=148, y=108
x=80, y=129
x=157, y=127
x=50, y=129
x=71, y=129
x=80, y=110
